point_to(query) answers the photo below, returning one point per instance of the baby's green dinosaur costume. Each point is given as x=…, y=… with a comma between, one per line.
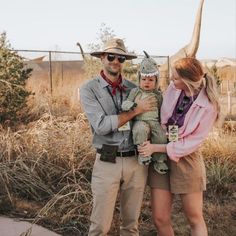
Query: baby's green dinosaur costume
x=146, y=126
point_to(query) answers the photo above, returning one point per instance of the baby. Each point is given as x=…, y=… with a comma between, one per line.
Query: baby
x=146, y=126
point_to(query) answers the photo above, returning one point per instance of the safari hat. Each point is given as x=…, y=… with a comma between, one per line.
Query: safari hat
x=115, y=46
x=148, y=66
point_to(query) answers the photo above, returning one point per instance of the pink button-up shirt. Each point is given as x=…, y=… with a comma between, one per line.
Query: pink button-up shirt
x=198, y=122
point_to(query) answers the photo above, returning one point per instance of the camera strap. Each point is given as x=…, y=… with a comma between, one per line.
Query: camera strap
x=115, y=104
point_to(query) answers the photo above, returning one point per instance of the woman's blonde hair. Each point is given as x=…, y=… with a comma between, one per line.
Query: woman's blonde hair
x=191, y=72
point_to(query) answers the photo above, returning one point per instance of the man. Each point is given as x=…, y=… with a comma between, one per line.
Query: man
x=116, y=166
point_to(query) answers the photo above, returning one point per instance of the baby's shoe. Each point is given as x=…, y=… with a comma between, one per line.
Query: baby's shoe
x=144, y=160
x=160, y=167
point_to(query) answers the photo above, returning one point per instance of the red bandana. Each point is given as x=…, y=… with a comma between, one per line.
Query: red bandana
x=115, y=85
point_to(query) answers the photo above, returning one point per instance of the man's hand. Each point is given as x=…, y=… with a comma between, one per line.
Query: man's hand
x=145, y=104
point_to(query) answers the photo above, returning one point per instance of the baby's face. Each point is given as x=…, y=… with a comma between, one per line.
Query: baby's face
x=148, y=83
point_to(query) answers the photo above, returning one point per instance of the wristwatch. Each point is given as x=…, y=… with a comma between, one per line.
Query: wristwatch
x=134, y=105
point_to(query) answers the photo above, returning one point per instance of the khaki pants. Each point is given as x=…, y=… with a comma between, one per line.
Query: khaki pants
x=127, y=176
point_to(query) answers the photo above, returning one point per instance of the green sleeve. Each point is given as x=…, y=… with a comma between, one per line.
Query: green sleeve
x=129, y=102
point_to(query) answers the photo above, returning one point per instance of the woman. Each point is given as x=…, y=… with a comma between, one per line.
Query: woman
x=190, y=108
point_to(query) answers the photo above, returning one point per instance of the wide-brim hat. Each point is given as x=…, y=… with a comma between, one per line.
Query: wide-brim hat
x=114, y=46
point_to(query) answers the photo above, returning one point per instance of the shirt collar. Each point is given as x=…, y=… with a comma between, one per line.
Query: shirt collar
x=105, y=84
x=201, y=99
x=102, y=81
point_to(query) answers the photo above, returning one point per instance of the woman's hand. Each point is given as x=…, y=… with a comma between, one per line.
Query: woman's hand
x=146, y=149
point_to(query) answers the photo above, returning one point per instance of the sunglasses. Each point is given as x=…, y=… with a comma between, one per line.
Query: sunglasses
x=112, y=57
x=182, y=106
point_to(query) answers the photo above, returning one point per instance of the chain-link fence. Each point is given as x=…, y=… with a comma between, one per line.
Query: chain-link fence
x=54, y=71
x=58, y=75
x=51, y=68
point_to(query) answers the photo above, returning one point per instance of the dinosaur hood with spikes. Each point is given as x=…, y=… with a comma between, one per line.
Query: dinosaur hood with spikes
x=148, y=66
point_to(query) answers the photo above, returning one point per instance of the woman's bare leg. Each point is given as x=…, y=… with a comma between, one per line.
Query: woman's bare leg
x=193, y=205
x=161, y=211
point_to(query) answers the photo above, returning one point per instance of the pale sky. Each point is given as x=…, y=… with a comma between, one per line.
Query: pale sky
x=161, y=27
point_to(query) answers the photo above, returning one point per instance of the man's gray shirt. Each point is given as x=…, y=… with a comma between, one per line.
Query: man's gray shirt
x=101, y=112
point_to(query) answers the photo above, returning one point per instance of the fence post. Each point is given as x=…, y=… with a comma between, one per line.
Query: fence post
x=228, y=98
x=62, y=71
x=50, y=70
x=229, y=110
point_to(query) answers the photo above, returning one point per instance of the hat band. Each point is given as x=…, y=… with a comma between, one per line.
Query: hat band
x=114, y=48
x=150, y=74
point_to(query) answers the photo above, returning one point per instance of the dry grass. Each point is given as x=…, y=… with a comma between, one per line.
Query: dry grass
x=45, y=171
x=62, y=102
x=48, y=163
x=220, y=199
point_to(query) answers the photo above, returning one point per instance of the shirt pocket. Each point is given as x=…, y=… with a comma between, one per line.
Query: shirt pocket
x=107, y=105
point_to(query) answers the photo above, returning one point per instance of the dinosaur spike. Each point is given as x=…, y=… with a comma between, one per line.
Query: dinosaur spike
x=146, y=54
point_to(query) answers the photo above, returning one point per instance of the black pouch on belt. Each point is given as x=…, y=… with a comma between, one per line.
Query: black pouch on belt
x=108, y=153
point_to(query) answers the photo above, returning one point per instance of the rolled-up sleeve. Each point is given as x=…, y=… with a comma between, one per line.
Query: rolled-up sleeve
x=190, y=143
x=101, y=123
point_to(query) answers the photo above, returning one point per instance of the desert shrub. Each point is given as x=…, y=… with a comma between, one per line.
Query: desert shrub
x=13, y=77
x=221, y=176
x=45, y=170
x=219, y=152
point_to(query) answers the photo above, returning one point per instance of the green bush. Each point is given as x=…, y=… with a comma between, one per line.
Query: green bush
x=13, y=77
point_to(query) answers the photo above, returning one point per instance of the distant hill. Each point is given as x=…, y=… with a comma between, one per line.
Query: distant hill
x=222, y=62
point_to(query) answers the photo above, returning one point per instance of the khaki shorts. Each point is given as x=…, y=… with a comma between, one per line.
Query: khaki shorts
x=186, y=176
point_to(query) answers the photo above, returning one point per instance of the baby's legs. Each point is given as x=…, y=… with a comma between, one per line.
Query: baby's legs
x=158, y=136
x=141, y=133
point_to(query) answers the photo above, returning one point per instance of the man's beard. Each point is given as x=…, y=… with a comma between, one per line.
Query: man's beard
x=112, y=73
